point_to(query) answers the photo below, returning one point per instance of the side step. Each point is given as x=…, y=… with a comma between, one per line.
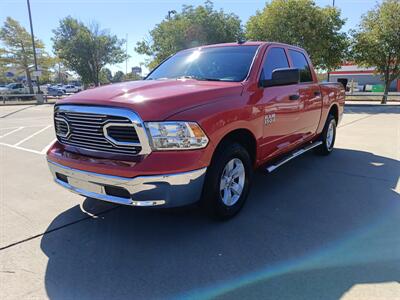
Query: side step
x=299, y=152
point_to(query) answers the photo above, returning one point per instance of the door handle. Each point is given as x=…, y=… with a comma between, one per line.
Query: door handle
x=294, y=97
x=317, y=93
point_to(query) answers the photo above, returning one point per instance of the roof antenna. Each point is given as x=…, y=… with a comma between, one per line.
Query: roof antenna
x=241, y=41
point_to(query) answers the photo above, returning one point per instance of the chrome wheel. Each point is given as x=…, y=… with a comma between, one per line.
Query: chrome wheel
x=232, y=181
x=330, y=135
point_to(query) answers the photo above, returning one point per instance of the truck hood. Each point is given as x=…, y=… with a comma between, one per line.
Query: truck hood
x=159, y=99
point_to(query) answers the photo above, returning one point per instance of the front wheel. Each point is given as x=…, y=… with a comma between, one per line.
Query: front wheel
x=328, y=136
x=227, y=181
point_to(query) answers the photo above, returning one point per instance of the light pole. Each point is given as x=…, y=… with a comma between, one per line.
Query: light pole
x=333, y=5
x=126, y=54
x=33, y=45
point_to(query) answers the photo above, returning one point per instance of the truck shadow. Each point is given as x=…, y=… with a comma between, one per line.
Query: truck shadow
x=312, y=230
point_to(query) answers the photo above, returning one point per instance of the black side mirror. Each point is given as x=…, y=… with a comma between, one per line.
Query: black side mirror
x=282, y=77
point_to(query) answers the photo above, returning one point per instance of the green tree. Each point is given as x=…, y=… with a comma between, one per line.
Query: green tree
x=118, y=76
x=193, y=26
x=86, y=49
x=105, y=76
x=60, y=71
x=302, y=23
x=18, y=51
x=3, y=68
x=132, y=77
x=376, y=42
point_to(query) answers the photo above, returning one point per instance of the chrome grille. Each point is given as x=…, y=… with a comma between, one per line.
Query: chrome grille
x=97, y=132
x=122, y=134
x=61, y=126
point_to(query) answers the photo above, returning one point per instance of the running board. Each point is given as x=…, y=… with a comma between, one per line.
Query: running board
x=299, y=152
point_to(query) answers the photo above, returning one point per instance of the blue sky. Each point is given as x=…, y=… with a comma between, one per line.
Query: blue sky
x=136, y=18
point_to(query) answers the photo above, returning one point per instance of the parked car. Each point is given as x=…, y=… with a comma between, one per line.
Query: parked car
x=16, y=88
x=195, y=128
x=71, y=88
x=59, y=87
x=53, y=91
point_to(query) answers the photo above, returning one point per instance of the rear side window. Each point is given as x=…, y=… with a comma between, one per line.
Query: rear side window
x=300, y=62
x=276, y=59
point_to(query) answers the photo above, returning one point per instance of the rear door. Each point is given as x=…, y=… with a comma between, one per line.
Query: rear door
x=310, y=99
x=281, y=112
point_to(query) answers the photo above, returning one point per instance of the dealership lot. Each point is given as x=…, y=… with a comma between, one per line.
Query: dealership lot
x=318, y=228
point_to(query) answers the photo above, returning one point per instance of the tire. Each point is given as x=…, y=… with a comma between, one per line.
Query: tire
x=328, y=136
x=224, y=203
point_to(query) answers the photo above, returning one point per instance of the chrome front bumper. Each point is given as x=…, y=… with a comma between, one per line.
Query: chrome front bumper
x=170, y=190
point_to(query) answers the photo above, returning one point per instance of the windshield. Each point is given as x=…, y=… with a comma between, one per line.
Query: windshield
x=213, y=64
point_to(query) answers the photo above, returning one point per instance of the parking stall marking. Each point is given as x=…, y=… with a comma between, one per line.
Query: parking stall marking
x=21, y=148
x=44, y=150
x=31, y=136
x=12, y=131
x=18, y=144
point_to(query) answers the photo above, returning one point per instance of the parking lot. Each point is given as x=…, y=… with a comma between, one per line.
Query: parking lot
x=318, y=228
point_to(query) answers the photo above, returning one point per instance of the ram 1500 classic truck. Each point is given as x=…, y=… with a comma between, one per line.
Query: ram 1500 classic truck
x=195, y=128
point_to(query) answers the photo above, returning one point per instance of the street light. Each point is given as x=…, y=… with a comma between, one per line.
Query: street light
x=33, y=45
x=333, y=5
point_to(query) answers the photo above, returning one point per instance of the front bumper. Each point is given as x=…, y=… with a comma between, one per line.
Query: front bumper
x=169, y=190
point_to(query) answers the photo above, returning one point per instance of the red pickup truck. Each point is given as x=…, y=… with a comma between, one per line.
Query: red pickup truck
x=195, y=128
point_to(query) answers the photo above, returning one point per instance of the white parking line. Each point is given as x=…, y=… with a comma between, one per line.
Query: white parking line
x=31, y=126
x=12, y=131
x=31, y=136
x=21, y=148
x=9, y=128
x=44, y=150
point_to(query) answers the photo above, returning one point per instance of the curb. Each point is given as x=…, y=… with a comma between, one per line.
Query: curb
x=371, y=105
x=18, y=104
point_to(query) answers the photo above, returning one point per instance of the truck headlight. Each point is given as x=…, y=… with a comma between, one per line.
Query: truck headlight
x=176, y=135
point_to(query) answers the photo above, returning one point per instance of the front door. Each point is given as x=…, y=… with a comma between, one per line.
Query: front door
x=280, y=105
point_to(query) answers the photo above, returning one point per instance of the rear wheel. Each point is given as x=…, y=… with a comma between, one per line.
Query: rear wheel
x=227, y=181
x=328, y=136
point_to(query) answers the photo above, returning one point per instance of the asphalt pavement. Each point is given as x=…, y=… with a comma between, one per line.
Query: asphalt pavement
x=317, y=228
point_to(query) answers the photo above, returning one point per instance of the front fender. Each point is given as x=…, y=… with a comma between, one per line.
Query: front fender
x=220, y=118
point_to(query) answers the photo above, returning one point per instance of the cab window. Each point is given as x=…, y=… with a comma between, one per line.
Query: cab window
x=300, y=62
x=275, y=59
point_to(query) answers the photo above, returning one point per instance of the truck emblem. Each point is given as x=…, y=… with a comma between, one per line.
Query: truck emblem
x=269, y=119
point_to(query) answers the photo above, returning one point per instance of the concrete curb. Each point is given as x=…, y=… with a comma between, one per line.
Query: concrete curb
x=18, y=104
x=371, y=105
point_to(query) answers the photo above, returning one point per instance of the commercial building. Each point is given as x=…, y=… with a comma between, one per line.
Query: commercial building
x=365, y=78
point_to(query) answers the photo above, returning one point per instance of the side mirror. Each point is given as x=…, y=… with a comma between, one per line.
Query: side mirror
x=282, y=77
